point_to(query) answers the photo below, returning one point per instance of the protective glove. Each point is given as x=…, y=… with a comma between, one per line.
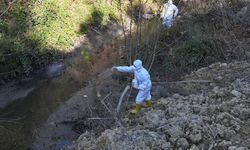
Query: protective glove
x=114, y=69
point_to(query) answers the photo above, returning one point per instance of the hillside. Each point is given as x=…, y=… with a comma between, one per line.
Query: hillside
x=34, y=34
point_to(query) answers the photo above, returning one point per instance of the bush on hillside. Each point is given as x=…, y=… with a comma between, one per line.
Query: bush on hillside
x=197, y=39
x=33, y=33
x=218, y=35
x=99, y=17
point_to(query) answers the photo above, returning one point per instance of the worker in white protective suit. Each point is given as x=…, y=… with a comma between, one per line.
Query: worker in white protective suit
x=169, y=12
x=141, y=82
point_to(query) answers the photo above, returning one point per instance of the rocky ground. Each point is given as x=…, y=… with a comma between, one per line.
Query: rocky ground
x=210, y=110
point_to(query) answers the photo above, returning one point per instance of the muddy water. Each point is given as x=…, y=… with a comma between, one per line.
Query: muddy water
x=21, y=120
x=24, y=116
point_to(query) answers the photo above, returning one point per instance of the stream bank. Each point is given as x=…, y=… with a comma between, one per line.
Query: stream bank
x=22, y=116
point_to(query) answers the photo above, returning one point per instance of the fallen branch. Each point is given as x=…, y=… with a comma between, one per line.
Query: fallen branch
x=9, y=72
x=106, y=96
x=7, y=8
x=96, y=31
x=233, y=118
x=211, y=131
x=91, y=112
x=187, y=81
x=102, y=101
x=121, y=98
x=10, y=120
x=97, y=118
x=211, y=146
x=106, y=107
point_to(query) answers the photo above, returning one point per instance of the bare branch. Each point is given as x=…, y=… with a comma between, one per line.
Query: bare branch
x=98, y=118
x=188, y=81
x=7, y=8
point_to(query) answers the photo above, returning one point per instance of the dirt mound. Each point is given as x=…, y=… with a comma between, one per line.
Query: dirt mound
x=213, y=115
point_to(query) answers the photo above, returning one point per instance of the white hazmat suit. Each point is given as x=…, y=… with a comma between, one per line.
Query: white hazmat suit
x=169, y=12
x=141, y=80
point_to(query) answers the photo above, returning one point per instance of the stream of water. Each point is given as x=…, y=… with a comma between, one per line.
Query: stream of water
x=24, y=116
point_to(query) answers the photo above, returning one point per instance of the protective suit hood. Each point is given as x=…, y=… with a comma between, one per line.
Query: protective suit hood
x=138, y=64
x=170, y=2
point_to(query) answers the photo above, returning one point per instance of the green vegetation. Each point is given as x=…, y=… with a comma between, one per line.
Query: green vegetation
x=33, y=33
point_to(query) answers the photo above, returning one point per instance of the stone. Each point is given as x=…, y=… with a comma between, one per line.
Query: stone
x=194, y=147
x=154, y=117
x=241, y=148
x=236, y=93
x=246, y=142
x=183, y=143
x=232, y=148
x=216, y=89
x=55, y=70
x=225, y=143
x=229, y=133
x=244, y=113
x=223, y=65
x=219, y=78
x=174, y=131
x=166, y=145
x=177, y=95
x=195, y=138
x=242, y=12
x=173, y=140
